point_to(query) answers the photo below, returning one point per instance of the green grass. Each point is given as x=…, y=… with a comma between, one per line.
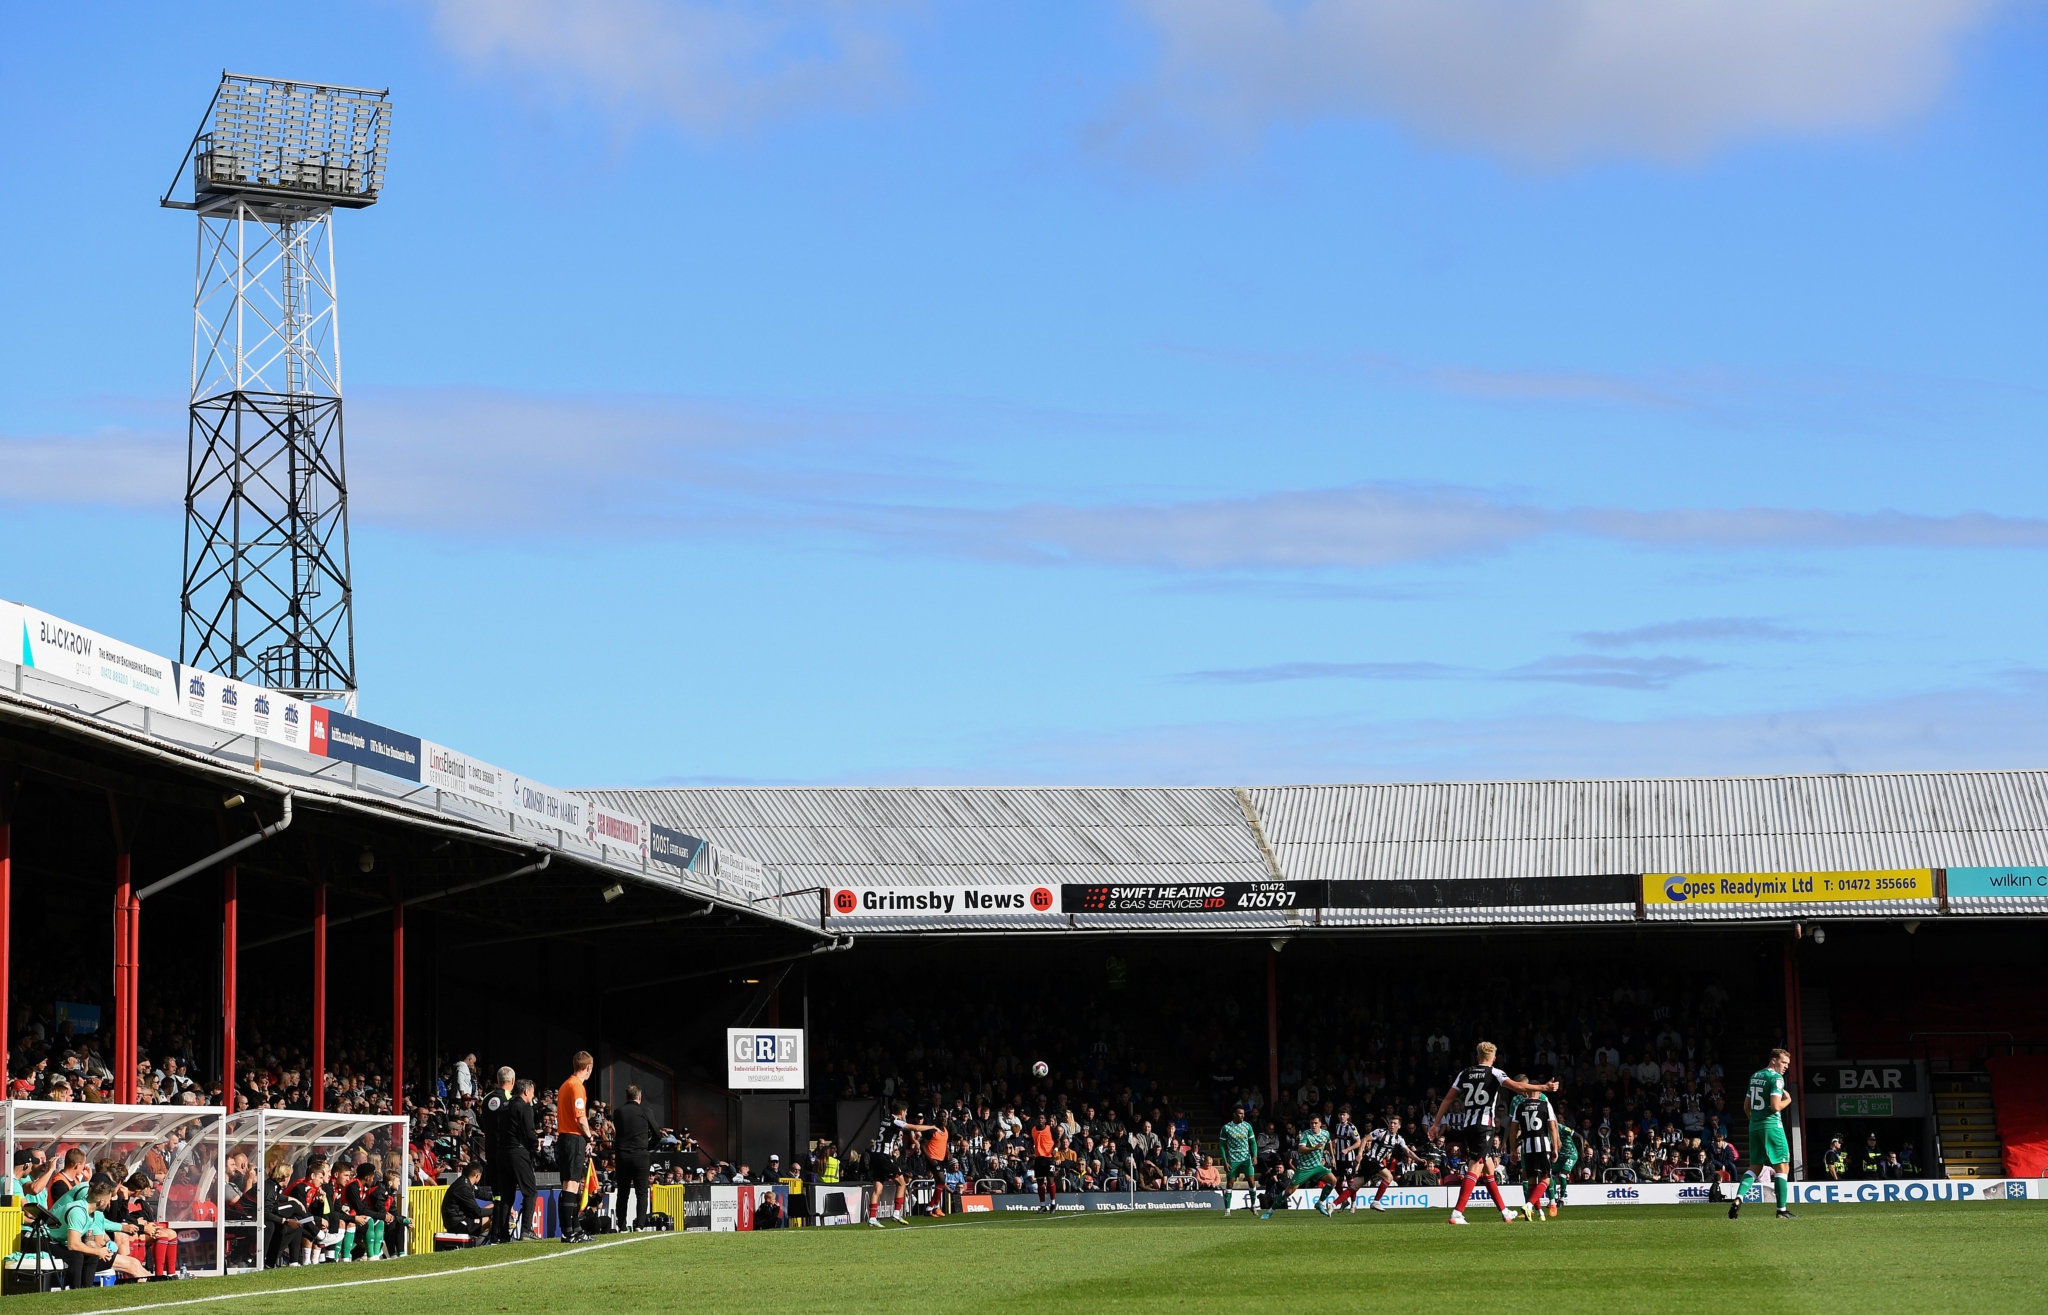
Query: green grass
x=1988, y=1256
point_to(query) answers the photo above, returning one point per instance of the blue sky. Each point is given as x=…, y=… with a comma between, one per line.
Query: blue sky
x=1151, y=392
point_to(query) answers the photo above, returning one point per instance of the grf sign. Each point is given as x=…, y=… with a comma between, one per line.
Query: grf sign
x=764, y=1058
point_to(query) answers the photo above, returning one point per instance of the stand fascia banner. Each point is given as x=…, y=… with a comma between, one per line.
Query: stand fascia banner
x=96, y=661
x=619, y=833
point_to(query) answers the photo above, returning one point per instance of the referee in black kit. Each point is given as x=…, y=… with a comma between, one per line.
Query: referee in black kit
x=632, y=1140
x=492, y=1114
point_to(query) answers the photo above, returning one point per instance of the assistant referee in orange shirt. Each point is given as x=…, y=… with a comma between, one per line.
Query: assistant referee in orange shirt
x=572, y=1144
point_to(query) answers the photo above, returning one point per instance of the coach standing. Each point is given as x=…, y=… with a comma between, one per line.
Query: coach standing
x=493, y=1115
x=522, y=1144
x=632, y=1142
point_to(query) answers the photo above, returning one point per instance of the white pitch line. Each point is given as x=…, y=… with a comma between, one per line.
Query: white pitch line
x=563, y=1254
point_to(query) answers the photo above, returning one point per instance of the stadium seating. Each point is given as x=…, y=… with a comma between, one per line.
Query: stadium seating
x=2021, y=1111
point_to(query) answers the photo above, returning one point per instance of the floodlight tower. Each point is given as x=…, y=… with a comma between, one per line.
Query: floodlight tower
x=266, y=594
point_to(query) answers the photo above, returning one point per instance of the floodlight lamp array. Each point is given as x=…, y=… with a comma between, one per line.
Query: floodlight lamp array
x=293, y=141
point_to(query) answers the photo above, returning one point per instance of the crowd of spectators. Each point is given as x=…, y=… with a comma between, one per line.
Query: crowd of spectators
x=1639, y=1057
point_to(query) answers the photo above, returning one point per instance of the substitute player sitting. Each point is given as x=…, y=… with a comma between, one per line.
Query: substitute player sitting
x=1476, y=1093
x=1770, y=1155
x=1239, y=1142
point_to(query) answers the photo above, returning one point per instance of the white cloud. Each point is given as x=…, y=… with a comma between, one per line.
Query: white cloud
x=710, y=67
x=1995, y=726
x=481, y=464
x=1554, y=81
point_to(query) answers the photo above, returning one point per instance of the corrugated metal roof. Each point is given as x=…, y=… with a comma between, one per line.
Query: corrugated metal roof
x=907, y=836
x=930, y=836
x=1738, y=824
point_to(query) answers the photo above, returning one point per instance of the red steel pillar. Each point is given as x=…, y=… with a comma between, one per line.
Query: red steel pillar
x=124, y=1010
x=319, y=1075
x=1273, y=1026
x=1795, y=1041
x=397, y=1007
x=230, y=929
x=6, y=937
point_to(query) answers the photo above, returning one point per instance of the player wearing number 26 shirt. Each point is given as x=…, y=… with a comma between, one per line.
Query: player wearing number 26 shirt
x=1469, y=1109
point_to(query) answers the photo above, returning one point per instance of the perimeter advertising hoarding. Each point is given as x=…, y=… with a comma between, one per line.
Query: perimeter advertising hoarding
x=965, y=904
x=764, y=1058
x=1194, y=897
x=1669, y=889
x=1998, y=883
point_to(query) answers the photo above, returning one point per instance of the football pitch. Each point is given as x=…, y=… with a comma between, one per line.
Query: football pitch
x=1984, y=1256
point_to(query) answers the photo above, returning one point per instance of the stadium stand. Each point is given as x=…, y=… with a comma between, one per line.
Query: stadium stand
x=2019, y=1089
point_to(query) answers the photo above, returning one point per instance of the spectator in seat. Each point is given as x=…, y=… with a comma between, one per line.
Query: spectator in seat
x=461, y=1212
x=1891, y=1168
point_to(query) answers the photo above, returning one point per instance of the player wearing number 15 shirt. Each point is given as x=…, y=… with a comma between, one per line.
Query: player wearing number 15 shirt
x=1469, y=1108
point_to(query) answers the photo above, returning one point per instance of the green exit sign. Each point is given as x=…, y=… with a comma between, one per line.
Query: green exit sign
x=1863, y=1107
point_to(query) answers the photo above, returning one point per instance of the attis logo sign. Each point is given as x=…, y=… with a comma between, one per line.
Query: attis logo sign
x=845, y=901
x=1041, y=900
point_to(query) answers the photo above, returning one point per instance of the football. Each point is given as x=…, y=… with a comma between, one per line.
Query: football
x=1041, y=1068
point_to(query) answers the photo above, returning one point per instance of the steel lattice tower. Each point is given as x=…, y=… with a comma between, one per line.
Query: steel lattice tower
x=266, y=594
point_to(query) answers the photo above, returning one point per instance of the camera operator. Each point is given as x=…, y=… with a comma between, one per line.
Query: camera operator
x=633, y=1134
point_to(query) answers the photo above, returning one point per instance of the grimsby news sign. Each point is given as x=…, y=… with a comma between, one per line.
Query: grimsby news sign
x=944, y=903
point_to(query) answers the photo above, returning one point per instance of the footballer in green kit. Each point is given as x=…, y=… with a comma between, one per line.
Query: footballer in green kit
x=1770, y=1155
x=1310, y=1166
x=1567, y=1160
x=1239, y=1142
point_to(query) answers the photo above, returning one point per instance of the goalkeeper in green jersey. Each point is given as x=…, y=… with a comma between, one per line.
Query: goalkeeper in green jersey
x=1239, y=1143
x=1770, y=1155
x=1310, y=1165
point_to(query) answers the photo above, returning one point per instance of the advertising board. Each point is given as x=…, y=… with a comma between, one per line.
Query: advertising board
x=764, y=1058
x=96, y=661
x=1666, y=889
x=744, y=874
x=1998, y=883
x=352, y=740
x=458, y=773
x=942, y=903
x=620, y=833
x=671, y=848
x=1194, y=897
